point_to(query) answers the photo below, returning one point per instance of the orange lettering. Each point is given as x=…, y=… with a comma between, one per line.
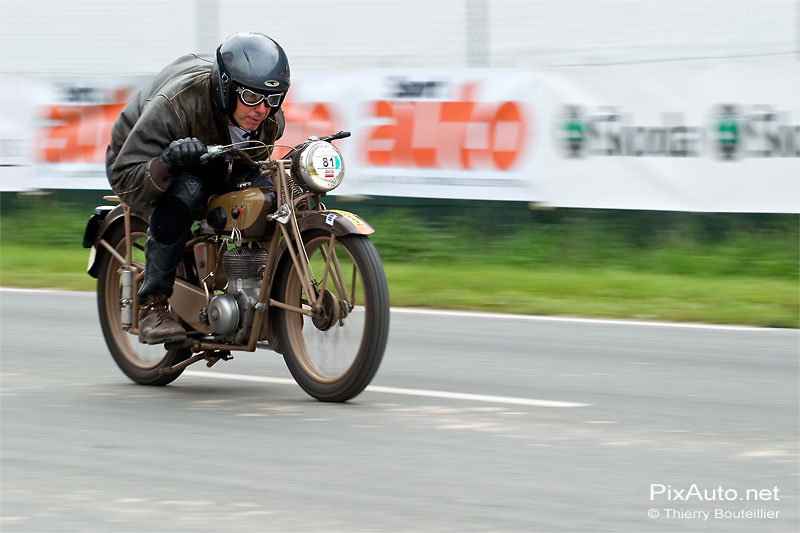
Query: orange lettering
x=508, y=135
x=460, y=135
x=404, y=117
x=379, y=144
x=81, y=134
x=425, y=134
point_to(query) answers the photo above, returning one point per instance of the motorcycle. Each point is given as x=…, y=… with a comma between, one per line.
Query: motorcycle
x=265, y=268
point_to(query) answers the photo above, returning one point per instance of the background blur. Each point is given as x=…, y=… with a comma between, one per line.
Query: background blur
x=618, y=158
x=87, y=37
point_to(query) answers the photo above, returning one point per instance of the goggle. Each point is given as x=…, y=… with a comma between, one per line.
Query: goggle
x=252, y=98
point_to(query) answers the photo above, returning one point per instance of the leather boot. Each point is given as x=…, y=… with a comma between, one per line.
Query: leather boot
x=159, y=269
x=156, y=325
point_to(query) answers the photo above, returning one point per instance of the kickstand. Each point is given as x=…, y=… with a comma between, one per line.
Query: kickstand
x=213, y=357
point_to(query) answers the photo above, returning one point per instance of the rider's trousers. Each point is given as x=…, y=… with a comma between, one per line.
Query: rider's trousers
x=170, y=228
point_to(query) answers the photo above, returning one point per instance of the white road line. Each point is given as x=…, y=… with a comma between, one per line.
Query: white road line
x=49, y=291
x=406, y=392
x=607, y=321
x=505, y=316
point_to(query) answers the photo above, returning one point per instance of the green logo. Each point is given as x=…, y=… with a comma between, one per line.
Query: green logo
x=728, y=132
x=573, y=131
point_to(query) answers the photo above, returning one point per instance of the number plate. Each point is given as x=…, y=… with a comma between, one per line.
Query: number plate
x=327, y=163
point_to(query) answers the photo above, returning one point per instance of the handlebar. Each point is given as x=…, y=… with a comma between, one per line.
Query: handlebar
x=212, y=152
x=215, y=150
x=340, y=135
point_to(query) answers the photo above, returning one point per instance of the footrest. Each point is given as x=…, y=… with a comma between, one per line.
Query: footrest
x=179, y=345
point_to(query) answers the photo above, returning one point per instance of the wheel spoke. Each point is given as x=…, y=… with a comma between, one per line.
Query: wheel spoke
x=329, y=353
x=332, y=266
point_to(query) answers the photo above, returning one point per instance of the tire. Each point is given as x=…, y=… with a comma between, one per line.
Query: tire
x=334, y=361
x=140, y=362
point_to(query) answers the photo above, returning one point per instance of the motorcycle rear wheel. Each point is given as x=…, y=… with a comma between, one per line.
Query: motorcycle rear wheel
x=334, y=357
x=140, y=362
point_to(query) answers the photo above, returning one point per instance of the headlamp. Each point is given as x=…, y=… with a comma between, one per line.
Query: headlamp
x=321, y=166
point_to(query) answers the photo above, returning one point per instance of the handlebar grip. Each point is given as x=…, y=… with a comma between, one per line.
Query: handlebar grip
x=340, y=135
x=212, y=153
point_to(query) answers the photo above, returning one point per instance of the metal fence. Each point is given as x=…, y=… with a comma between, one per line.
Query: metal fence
x=119, y=37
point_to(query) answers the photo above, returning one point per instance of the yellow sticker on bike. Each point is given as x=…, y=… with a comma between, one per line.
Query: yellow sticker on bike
x=361, y=226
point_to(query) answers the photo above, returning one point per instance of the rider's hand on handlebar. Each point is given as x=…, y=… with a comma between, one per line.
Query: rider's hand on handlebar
x=182, y=153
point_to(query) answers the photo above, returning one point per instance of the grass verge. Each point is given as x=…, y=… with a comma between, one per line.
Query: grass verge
x=715, y=268
x=596, y=293
x=575, y=291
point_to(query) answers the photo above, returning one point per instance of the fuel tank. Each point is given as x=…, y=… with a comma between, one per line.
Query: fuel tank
x=247, y=209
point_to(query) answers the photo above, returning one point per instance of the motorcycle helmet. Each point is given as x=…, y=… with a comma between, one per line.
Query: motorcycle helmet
x=249, y=60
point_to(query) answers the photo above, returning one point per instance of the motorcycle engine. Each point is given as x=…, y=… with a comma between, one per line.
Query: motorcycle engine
x=231, y=314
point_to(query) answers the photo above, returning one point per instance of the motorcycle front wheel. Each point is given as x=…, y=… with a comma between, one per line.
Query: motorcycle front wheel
x=334, y=354
x=140, y=362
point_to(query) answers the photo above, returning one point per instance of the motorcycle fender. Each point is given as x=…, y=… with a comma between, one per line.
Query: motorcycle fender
x=334, y=220
x=104, y=218
x=94, y=223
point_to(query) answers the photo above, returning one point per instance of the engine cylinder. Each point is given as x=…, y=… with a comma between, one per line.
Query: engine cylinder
x=243, y=262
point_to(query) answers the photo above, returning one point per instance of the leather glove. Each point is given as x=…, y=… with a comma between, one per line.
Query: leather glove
x=182, y=153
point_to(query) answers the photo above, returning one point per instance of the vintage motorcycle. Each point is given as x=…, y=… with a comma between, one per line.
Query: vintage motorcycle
x=266, y=268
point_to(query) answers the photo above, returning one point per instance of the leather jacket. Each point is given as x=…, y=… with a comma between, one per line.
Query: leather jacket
x=176, y=104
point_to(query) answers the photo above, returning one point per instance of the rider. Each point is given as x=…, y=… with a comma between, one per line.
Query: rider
x=153, y=160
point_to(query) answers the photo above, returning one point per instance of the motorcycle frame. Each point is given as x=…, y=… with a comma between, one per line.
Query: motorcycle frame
x=186, y=296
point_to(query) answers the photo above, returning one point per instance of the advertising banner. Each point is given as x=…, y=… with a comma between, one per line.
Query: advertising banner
x=58, y=130
x=712, y=138
x=466, y=134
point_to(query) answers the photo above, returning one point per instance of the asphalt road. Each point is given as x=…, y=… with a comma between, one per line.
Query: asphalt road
x=474, y=423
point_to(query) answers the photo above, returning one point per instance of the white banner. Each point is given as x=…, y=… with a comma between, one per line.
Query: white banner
x=711, y=138
x=19, y=100
x=719, y=138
